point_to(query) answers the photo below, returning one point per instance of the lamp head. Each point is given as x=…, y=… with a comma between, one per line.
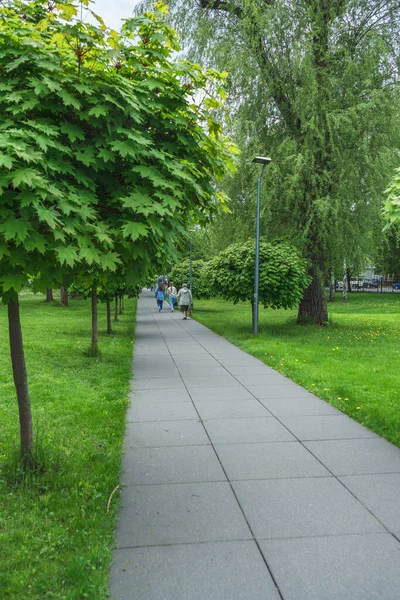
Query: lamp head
x=261, y=160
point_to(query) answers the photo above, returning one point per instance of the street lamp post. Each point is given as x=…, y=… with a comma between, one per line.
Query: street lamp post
x=190, y=270
x=264, y=161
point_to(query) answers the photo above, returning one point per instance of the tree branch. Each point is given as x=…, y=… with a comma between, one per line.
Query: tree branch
x=275, y=81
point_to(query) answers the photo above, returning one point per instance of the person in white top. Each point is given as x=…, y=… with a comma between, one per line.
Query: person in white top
x=185, y=299
x=172, y=295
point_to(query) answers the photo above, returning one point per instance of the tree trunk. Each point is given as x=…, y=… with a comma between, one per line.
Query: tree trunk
x=332, y=286
x=116, y=309
x=49, y=295
x=94, y=322
x=120, y=305
x=313, y=306
x=344, y=294
x=63, y=297
x=20, y=380
x=123, y=302
x=348, y=274
x=108, y=305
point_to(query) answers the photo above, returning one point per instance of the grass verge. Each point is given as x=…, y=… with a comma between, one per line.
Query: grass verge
x=56, y=538
x=353, y=363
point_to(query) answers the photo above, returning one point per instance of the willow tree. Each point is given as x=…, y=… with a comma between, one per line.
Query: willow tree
x=313, y=84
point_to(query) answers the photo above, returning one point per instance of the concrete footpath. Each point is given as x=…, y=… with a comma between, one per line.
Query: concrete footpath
x=241, y=485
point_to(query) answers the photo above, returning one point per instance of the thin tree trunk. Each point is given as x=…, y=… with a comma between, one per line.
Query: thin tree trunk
x=95, y=338
x=348, y=275
x=332, y=286
x=116, y=309
x=108, y=305
x=344, y=294
x=253, y=315
x=63, y=297
x=20, y=380
x=49, y=295
x=123, y=302
x=120, y=305
x=313, y=306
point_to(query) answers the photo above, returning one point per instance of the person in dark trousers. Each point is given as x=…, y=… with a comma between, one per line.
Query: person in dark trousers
x=160, y=295
x=185, y=299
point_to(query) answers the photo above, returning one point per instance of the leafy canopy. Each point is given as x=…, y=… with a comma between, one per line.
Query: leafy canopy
x=180, y=274
x=104, y=156
x=282, y=278
x=391, y=207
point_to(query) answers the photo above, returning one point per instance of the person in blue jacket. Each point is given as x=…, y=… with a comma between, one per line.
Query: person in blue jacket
x=160, y=295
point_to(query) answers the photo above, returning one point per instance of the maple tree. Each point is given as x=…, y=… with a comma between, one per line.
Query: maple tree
x=104, y=155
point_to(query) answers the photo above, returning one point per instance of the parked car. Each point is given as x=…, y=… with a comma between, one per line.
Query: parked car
x=370, y=283
x=396, y=286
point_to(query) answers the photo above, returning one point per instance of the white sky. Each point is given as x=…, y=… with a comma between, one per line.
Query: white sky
x=112, y=11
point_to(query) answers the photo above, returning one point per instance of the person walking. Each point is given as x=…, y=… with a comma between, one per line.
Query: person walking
x=185, y=299
x=160, y=295
x=172, y=295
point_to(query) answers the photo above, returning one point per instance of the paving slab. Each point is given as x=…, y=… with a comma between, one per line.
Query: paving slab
x=304, y=507
x=229, y=393
x=252, y=430
x=219, y=381
x=205, y=361
x=181, y=513
x=185, y=464
x=312, y=406
x=329, y=427
x=380, y=494
x=243, y=360
x=209, y=571
x=191, y=370
x=269, y=378
x=250, y=369
x=165, y=433
x=357, y=457
x=148, y=373
x=220, y=409
x=279, y=390
x=198, y=355
x=349, y=567
x=159, y=395
x=156, y=384
x=161, y=411
x=276, y=460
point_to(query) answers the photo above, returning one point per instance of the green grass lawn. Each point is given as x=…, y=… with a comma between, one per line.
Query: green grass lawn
x=354, y=363
x=55, y=535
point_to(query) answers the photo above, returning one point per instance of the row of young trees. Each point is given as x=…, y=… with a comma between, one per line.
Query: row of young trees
x=314, y=85
x=104, y=154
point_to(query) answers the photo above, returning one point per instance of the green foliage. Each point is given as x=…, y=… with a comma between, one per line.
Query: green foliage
x=104, y=157
x=282, y=276
x=180, y=274
x=108, y=284
x=391, y=207
x=312, y=85
x=387, y=257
